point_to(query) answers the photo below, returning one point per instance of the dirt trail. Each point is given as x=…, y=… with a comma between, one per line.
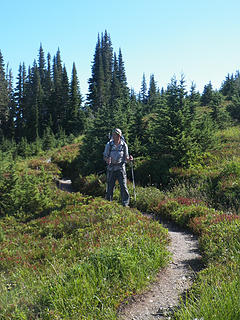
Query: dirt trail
x=173, y=281
x=161, y=296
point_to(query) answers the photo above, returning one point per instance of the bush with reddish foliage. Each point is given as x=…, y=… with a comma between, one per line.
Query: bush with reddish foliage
x=181, y=210
x=201, y=224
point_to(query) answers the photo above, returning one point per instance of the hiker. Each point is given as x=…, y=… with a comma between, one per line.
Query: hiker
x=116, y=155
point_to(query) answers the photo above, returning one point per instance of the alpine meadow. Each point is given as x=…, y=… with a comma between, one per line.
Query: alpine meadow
x=70, y=253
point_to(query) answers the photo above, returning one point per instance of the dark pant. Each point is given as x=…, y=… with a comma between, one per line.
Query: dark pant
x=121, y=176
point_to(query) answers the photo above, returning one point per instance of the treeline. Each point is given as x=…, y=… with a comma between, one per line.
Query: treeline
x=43, y=100
x=156, y=122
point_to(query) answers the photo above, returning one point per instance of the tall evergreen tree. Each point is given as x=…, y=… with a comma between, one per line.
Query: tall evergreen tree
x=143, y=92
x=230, y=87
x=75, y=119
x=116, y=86
x=100, y=83
x=57, y=93
x=10, y=128
x=207, y=94
x=194, y=98
x=48, y=96
x=75, y=95
x=4, y=98
x=152, y=92
x=41, y=65
x=96, y=136
x=167, y=127
x=33, y=103
x=107, y=59
x=45, y=80
x=96, y=82
x=122, y=76
x=65, y=99
x=19, y=99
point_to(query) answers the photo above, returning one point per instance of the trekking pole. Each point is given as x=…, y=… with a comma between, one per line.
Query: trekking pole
x=107, y=178
x=134, y=191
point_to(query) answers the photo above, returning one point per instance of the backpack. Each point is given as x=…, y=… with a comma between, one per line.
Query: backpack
x=111, y=143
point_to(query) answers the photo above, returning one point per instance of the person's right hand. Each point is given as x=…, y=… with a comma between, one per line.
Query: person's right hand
x=109, y=160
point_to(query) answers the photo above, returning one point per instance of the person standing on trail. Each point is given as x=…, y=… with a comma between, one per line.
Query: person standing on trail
x=116, y=155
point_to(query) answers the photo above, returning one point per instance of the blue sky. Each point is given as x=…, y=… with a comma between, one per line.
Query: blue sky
x=199, y=39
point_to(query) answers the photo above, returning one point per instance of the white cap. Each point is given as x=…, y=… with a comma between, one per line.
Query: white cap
x=117, y=131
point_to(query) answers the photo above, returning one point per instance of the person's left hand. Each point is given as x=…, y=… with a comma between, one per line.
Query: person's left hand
x=130, y=158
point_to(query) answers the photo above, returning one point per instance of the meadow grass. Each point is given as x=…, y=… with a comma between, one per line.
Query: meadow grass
x=215, y=295
x=78, y=262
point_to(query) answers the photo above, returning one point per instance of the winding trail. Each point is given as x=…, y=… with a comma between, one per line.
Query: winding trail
x=161, y=296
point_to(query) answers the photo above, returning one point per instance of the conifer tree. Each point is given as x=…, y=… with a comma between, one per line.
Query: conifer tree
x=4, y=98
x=48, y=95
x=122, y=76
x=41, y=65
x=75, y=118
x=207, y=94
x=75, y=95
x=116, y=87
x=57, y=94
x=100, y=83
x=33, y=103
x=136, y=129
x=166, y=130
x=143, y=93
x=19, y=100
x=96, y=136
x=194, y=98
x=45, y=80
x=108, y=82
x=10, y=124
x=175, y=131
x=107, y=59
x=152, y=93
x=65, y=99
x=228, y=87
x=96, y=82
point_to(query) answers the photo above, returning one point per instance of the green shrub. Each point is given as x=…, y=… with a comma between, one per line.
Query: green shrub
x=147, y=198
x=224, y=187
x=182, y=210
x=151, y=172
x=91, y=185
x=220, y=241
x=25, y=194
x=64, y=157
x=2, y=236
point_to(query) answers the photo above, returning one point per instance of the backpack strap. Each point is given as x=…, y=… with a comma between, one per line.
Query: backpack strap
x=110, y=147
